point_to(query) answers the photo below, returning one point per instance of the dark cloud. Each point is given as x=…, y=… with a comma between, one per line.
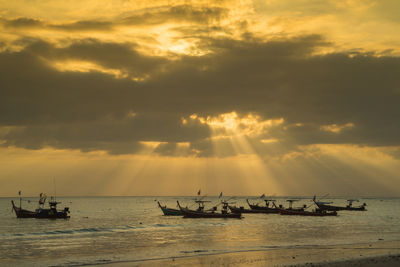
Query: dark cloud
x=84, y=25
x=179, y=13
x=22, y=23
x=109, y=55
x=275, y=79
x=144, y=17
x=32, y=92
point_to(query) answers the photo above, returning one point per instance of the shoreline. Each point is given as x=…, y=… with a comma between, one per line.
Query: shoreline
x=378, y=253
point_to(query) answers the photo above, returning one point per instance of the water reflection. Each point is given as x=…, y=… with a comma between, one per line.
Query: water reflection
x=134, y=228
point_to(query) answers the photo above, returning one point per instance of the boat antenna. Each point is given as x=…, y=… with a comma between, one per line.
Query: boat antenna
x=55, y=192
x=20, y=198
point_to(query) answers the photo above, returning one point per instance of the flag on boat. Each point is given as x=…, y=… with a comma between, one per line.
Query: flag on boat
x=220, y=195
x=262, y=196
x=198, y=193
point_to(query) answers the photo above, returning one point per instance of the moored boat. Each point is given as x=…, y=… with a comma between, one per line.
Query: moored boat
x=41, y=212
x=169, y=211
x=279, y=208
x=241, y=209
x=326, y=205
x=21, y=213
x=291, y=208
x=201, y=213
x=263, y=209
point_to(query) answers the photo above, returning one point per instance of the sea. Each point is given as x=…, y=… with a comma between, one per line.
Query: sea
x=104, y=230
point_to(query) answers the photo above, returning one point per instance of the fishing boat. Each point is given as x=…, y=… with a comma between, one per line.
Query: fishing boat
x=41, y=212
x=291, y=208
x=301, y=211
x=326, y=205
x=200, y=212
x=242, y=209
x=169, y=211
x=263, y=209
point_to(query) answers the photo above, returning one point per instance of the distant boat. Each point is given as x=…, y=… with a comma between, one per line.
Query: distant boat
x=201, y=213
x=349, y=206
x=291, y=208
x=301, y=210
x=41, y=212
x=242, y=209
x=263, y=209
x=169, y=211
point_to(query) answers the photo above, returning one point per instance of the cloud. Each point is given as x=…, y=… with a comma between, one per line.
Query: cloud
x=178, y=13
x=144, y=17
x=334, y=128
x=84, y=25
x=22, y=23
x=121, y=56
x=280, y=78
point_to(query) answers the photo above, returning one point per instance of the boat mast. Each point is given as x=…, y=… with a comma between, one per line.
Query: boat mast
x=55, y=193
x=20, y=198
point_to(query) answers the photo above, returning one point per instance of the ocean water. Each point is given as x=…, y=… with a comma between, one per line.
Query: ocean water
x=120, y=229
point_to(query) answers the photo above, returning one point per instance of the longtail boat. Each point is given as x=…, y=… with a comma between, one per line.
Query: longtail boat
x=201, y=213
x=349, y=206
x=241, y=209
x=280, y=208
x=41, y=212
x=302, y=212
x=263, y=209
x=169, y=211
x=291, y=208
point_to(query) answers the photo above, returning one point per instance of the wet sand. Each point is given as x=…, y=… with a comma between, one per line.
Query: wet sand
x=386, y=254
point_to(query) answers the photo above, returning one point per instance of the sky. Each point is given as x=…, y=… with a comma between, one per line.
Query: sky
x=158, y=98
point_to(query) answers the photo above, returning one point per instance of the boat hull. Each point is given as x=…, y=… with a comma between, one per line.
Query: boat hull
x=338, y=208
x=169, y=212
x=262, y=209
x=187, y=213
x=40, y=213
x=243, y=210
x=203, y=214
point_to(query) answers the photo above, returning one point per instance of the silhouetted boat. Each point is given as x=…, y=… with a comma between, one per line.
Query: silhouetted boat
x=349, y=206
x=41, y=212
x=201, y=213
x=169, y=211
x=301, y=210
x=241, y=209
x=263, y=209
x=291, y=208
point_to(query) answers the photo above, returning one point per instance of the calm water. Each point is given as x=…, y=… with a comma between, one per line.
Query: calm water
x=113, y=229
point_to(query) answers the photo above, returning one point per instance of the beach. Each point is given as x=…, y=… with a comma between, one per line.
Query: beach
x=386, y=254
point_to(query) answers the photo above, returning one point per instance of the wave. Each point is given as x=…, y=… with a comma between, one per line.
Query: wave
x=89, y=230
